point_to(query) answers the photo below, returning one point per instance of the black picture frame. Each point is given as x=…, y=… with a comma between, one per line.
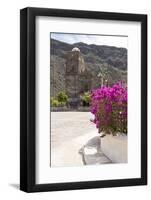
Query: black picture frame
x=28, y=99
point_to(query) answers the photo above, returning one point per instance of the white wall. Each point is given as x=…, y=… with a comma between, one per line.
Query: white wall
x=9, y=98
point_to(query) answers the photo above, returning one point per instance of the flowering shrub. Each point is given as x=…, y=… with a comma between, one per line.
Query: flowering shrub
x=109, y=106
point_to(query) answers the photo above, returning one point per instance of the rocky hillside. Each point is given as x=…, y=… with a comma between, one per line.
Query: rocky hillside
x=99, y=59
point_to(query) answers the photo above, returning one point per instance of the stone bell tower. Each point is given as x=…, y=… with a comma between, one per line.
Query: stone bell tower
x=75, y=66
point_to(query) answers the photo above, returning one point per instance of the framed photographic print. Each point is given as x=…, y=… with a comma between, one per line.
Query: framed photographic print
x=83, y=99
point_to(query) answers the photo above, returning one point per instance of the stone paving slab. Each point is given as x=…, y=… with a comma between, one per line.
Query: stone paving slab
x=74, y=140
x=69, y=132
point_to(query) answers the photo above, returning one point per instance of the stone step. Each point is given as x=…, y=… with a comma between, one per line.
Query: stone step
x=93, y=157
x=92, y=154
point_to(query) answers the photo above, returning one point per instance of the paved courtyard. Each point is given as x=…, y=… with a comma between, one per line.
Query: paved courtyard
x=70, y=131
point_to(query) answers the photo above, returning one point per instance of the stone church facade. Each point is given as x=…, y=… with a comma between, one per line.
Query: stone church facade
x=77, y=78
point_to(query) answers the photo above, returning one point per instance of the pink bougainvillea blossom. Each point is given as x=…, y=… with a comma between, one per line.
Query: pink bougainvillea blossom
x=109, y=106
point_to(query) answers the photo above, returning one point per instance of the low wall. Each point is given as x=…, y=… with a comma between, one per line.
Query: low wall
x=60, y=109
x=65, y=109
x=115, y=148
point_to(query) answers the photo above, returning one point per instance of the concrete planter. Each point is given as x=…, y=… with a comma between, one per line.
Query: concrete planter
x=115, y=147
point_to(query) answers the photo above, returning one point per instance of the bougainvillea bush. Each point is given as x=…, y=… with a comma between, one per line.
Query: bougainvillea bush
x=109, y=106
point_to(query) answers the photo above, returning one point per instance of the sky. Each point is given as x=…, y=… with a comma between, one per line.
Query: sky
x=117, y=41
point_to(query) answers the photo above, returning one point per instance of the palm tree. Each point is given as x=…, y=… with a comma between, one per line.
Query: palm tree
x=103, y=74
